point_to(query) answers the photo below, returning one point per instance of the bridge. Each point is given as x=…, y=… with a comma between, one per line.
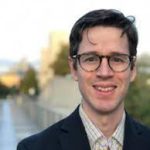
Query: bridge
x=22, y=117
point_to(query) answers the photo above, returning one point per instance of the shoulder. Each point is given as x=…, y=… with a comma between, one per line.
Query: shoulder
x=40, y=140
x=142, y=128
x=138, y=128
x=49, y=138
x=137, y=135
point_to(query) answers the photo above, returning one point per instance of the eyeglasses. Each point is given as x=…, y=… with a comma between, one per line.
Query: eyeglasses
x=92, y=61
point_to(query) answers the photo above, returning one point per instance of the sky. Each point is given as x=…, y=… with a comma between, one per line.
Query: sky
x=25, y=25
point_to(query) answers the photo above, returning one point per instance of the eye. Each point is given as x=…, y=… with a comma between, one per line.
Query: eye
x=118, y=59
x=89, y=58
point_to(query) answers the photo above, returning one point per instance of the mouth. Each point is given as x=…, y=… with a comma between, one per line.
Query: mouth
x=109, y=88
x=104, y=89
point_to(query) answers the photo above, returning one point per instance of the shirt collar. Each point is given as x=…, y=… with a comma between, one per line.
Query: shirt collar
x=119, y=132
x=95, y=133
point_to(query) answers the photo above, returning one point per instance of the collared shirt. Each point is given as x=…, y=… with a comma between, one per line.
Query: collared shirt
x=97, y=139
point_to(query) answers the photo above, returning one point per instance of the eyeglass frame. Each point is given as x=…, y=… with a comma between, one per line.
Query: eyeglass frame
x=131, y=60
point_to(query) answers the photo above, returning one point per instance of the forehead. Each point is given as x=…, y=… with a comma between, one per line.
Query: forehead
x=103, y=39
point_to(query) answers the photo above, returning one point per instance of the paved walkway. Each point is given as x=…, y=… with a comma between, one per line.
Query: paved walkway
x=14, y=125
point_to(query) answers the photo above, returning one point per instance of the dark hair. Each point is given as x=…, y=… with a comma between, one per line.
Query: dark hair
x=104, y=17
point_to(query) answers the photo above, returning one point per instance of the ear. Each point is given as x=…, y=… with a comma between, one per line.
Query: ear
x=133, y=73
x=72, y=69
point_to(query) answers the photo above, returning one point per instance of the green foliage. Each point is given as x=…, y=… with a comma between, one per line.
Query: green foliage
x=60, y=66
x=29, y=83
x=138, y=98
x=4, y=90
x=13, y=90
x=144, y=60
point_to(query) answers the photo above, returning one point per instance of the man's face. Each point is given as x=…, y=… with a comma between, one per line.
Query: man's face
x=103, y=90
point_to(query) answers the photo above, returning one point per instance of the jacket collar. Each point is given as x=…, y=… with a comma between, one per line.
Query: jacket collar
x=73, y=135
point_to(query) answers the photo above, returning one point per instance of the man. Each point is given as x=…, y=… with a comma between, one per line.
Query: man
x=103, y=47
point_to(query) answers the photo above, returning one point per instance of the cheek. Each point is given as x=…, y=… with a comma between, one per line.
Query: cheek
x=127, y=76
x=84, y=87
x=84, y=80
x=125, y=82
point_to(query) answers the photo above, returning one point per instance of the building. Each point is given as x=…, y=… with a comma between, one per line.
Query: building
x=49, y=55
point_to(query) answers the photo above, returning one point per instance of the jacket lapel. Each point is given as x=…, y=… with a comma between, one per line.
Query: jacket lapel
x=73, y=135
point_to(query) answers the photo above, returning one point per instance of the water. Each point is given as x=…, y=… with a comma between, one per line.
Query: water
x=8, y=138
x=14, y=125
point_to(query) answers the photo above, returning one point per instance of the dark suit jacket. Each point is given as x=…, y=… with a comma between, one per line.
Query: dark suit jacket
x=69, y=134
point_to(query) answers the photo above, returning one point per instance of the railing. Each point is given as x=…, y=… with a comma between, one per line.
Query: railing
x=55, y=102
x=42, y=115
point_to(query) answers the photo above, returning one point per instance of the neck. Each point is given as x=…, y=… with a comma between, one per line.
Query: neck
x=106, y=122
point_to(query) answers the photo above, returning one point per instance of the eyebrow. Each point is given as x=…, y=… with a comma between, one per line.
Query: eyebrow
x=96, y=53
x=90, y=52
x=117, y=53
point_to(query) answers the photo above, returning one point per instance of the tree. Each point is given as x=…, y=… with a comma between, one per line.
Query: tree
x=4, y=90
x=138, y=98
x=143, y=60
x=60, y=66
x=29, y=83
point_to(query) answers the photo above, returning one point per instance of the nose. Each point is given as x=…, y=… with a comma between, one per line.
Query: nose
x=104, y=70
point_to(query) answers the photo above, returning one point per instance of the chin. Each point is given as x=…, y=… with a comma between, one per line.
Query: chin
x=107, y=108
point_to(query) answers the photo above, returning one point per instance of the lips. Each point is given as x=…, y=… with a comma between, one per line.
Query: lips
x=105, y=87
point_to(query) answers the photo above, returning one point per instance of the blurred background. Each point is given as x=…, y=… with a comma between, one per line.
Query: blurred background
x=36, y=89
